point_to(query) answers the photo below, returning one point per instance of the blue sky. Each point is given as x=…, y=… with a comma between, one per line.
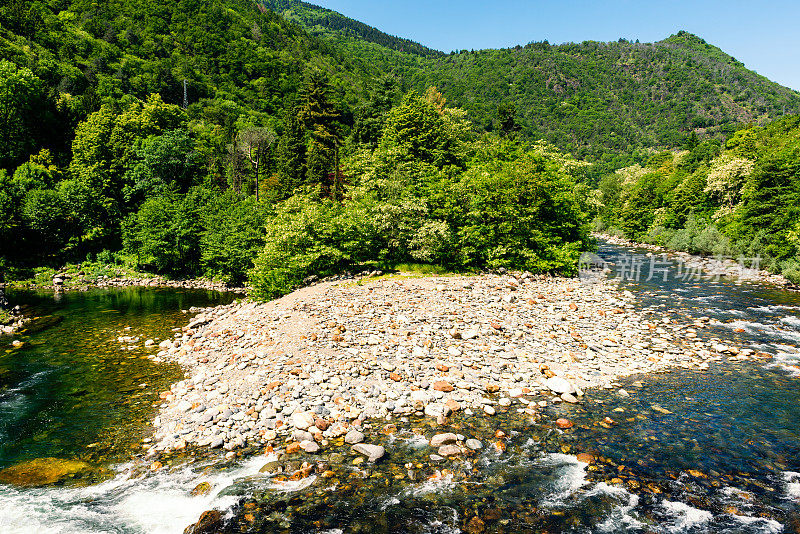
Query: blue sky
x=763, y=35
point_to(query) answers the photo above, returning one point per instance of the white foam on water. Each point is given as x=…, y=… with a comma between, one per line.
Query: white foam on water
x=766, y=526
x=773, y=308
x=570, y=476
x=683, y=517
x=721, y=311
x=792, y=481
x=752, y=327
x=792, y=321
x=417, y=441
x=158, y=503
x=436, y=484
x=787, y=362
x=620, y=519
x=293, y=485
x=445, y=525
x=709, y=298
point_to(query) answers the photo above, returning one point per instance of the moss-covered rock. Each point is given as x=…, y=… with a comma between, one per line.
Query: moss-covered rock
x=50, y=471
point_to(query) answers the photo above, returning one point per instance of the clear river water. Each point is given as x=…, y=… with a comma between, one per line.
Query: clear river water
x=691, y=451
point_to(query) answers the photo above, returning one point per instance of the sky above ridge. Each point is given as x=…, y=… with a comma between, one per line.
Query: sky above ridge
x=764, y=35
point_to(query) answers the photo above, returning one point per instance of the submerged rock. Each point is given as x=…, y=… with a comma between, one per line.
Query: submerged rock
x=48, y=471
x=443, y=439
x=372, y=452
x=204, y=488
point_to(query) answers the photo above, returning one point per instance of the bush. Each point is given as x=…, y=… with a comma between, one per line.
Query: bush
x=234, y=235
x=165, y=233
x=791, y=270
x=520, y=214
x=305, y=237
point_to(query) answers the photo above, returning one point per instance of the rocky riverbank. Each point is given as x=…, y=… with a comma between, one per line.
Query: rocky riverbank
x=727, y=267
x=304, y=372
x=63, y=281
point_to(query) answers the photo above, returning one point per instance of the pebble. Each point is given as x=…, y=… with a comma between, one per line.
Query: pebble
x=473, y=444
x=309, y=446
x=443, y=439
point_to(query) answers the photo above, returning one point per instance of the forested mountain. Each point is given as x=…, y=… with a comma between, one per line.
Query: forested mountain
x=603, y=98
x=595, y=100
x=236, y=58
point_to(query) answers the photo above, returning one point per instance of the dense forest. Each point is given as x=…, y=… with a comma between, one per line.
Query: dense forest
x=269, y=142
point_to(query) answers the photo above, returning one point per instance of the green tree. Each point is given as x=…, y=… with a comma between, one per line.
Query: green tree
x=291, y=155
x=24, y=109
x=106, y=147
x=234, y=235
x=320, y=117
x=163, y=163
x=370, y=116
x=507, y=120
x=254, y=143
x=165, y=233
x=415, y=131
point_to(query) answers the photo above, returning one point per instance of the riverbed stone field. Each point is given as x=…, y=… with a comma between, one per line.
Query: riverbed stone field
x=303, y=373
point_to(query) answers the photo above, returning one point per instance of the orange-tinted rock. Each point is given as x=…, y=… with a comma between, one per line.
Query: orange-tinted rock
x=475, y=526
x=586, y=458
x=453, y=405
x=322, y=424
x=210, y=522
x=443, y=386
x=564, y=423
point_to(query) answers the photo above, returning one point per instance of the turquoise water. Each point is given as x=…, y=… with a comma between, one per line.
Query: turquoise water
x=712, y=451
x=75, y=391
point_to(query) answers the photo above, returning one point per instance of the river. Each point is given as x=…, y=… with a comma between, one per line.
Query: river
x=689, y=451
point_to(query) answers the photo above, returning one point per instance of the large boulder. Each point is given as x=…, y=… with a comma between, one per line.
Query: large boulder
x=559, y=385
x=372, y=452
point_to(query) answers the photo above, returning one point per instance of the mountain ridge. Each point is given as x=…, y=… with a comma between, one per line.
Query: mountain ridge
x=594, y=99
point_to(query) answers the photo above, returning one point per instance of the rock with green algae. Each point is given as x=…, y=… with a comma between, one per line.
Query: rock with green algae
x=204, y=488
x=49, y=471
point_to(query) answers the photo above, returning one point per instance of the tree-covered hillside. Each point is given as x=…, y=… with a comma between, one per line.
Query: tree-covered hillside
x=600, y=101
x=595, y=99
x=237, y=60
x=218, y=138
